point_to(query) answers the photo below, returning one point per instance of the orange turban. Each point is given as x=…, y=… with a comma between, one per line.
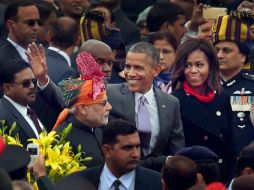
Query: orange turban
x=88, y=89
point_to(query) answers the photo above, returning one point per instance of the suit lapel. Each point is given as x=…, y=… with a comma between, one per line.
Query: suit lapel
x=128, y=104
x=162, y=113
x=20, y=120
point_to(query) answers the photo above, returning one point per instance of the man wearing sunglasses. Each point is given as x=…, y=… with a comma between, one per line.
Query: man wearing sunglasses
x=18, y=84
x=23, y=20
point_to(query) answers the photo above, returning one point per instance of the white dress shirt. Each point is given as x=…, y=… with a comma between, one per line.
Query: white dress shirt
x=153, y=112
x=20, y=50
x=23, y=111
x=107, y=179
x=62, y=53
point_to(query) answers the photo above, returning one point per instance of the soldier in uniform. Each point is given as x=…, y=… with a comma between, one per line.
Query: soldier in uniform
x=230, y=36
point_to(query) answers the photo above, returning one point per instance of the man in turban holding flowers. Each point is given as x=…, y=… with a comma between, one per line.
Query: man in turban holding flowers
x=87, y=109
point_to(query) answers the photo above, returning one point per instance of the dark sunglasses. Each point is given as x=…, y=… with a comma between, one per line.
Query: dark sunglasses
x=27, y=83
x=32, y=22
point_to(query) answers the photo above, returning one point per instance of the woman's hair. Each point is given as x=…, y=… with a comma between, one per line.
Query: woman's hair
x=164, y=36
x=182, y=55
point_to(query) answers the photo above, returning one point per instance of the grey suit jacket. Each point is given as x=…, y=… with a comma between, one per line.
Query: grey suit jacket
x=170, y=138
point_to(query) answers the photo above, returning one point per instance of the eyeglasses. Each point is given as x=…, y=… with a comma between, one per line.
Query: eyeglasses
x=165, y=51
x=104, y=103
x=32, y=22
x=27, y=83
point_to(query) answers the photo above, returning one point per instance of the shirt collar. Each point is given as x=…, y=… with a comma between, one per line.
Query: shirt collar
x=20, y=49
x=65, y=55
x=125, y=179
x=148, y=95
x=22, y=109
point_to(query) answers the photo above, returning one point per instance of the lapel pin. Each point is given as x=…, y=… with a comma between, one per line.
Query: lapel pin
x=163, y=106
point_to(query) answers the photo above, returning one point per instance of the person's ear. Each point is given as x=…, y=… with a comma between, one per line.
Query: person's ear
x=157, y=70
x=10, y=25
x=6, y=88
x=82, y=109
x=106, y=149
x=247, y=171
x=200, y=179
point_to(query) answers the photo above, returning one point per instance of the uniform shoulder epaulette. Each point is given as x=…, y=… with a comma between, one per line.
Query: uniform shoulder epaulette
x=248, y=76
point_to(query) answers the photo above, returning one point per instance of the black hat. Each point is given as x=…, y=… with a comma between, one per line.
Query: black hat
x=198, y=154
x=14, y=160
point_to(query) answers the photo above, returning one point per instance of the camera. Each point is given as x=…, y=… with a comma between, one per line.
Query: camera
x=33, y=150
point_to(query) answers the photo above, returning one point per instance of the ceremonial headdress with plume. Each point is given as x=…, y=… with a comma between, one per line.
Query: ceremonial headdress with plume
x=88, y=89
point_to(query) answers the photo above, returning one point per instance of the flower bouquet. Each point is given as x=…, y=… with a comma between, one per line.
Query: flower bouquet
x=56, y=150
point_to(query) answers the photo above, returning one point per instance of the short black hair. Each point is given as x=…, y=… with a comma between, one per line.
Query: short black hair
x=117, y=127
x=162, y=12
x=64, y=36
x=12, y=9
x=245, y=159
x=12, y=67
x=45, y=9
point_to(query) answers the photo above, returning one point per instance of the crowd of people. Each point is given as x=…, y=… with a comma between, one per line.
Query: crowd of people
x=163, y=103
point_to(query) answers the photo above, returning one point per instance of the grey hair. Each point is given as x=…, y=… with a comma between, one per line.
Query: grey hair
x=148, y=49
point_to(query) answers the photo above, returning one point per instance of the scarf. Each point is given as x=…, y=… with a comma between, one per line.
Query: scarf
x=202, y=98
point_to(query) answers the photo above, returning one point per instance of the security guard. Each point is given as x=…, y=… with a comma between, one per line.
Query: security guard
x=230, y=36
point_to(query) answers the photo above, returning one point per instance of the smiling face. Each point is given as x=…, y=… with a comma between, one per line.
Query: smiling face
x=140, y=71
x=197, y=70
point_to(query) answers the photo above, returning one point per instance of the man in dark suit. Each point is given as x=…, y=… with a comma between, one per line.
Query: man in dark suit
x=165, y=135
x=22, y=21
x=121, y=149
x=19, y=87
x=63, y=37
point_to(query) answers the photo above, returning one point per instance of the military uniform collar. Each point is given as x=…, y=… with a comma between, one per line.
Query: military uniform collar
x=233, y=80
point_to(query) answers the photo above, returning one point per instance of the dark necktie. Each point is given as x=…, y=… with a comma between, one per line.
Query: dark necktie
x=116, y=184
x=34, y=118
x=144, y=125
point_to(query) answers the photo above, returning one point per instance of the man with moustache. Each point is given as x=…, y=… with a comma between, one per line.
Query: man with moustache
x=155, y=113
x=121, y=149
x=18, y=84
x=23, y=21
x=232, y=50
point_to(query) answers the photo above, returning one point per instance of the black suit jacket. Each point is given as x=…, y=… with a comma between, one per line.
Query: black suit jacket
x=58, y=68
x=170, y=138
x=10, y=114
x=145, y=178
x=49, y=102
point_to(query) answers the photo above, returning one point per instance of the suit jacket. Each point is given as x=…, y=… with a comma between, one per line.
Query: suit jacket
x=49, y=102
x=10, y=114
x=145, y=178
x=170, y=138
x=89, y=140
x=58, y=68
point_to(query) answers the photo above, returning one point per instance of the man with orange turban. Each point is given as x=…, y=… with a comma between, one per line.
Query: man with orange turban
x=87, y=110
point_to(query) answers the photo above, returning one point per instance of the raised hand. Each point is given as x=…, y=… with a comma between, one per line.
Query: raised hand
x=37, y=58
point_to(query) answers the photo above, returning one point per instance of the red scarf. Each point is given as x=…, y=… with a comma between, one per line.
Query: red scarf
x=202, y=98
